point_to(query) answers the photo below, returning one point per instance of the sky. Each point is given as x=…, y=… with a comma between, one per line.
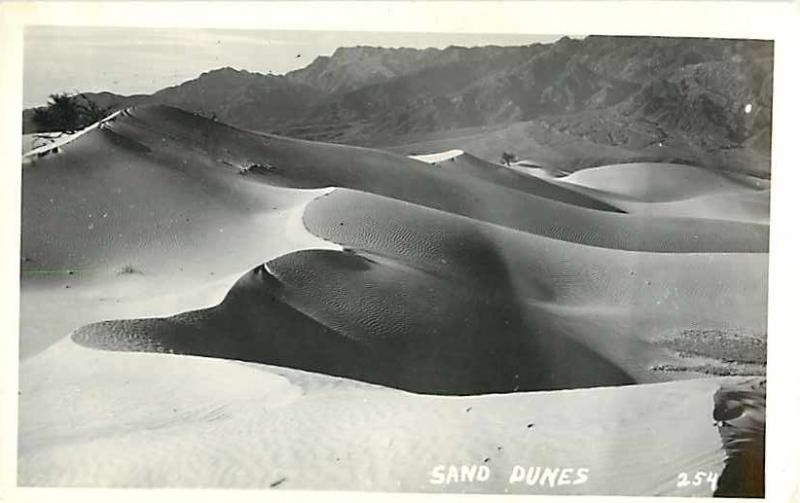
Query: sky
x=144, y=60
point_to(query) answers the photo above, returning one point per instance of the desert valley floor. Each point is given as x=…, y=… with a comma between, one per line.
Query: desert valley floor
x=204, y=306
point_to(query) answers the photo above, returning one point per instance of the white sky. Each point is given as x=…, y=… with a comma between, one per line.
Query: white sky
x=143, y=60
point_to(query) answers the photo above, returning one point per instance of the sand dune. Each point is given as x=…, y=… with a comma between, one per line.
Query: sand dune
x=671, y=190
x=381, y=322
x=747, y=207
x=160, y=237
x=725, y=286
x=659, y=182
x=141, y=233
x=609, y=299
x=286, y=162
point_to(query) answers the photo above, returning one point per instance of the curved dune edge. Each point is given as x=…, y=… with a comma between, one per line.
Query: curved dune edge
x=52, y=454
x=468, y=166
x=61, y=141
x=275, y=316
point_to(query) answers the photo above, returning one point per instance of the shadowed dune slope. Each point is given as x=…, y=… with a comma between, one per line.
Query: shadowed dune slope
x=378, y=321
x=469, y=165
x=251, y=323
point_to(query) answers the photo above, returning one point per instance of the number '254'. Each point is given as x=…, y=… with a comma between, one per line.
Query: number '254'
x=697, y=479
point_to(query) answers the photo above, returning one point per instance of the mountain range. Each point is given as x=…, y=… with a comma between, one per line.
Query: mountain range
x=700, y=101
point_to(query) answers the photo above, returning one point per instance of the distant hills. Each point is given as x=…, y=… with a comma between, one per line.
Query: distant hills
x=703, y=101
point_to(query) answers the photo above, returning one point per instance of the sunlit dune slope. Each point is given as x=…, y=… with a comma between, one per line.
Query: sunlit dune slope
x=660, y=182
x=107, y=200
x=161, y=420
x=751, y=207
x=674, y=190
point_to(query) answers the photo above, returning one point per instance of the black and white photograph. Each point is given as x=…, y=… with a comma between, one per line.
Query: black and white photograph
x=394, y=262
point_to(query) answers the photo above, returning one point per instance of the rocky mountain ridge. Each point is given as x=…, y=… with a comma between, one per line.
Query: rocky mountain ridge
x=713, y=93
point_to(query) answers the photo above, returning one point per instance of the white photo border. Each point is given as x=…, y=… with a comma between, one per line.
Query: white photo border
x=778, y=21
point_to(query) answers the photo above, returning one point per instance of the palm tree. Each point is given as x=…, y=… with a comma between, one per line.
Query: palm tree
x=68, y=113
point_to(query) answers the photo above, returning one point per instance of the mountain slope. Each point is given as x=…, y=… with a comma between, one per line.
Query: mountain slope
x=707, y=100
x=352, y=68
x=243, y=98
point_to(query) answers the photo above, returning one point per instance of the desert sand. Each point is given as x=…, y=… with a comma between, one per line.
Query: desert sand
x=207, y=306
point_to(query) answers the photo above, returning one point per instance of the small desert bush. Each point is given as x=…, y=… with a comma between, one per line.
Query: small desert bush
x=128, y=269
